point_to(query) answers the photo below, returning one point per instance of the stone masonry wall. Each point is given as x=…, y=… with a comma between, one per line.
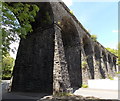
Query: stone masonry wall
x=100, y=62
x=61, y=76
x=59, y=55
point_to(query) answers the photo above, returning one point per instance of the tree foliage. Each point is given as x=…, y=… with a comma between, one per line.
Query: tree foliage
x=114, y=51
x=7, y=66
x=16, y=19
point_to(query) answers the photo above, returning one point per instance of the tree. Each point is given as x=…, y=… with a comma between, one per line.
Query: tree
x=114, y=51
x=7, y=66
x=16, y=19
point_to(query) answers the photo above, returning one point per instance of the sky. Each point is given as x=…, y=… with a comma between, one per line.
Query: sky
x=99, y=18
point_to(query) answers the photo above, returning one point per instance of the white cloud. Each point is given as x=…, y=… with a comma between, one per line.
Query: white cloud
x=115, y=31
x=68, y=2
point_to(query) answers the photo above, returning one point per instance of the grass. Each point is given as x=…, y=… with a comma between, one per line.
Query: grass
x=110, y=78
x=118, y=72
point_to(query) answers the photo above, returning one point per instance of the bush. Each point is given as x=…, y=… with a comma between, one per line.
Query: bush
x=109, y=77
x=84, y=86
x=118, y=72
x=7, y=66
x=6, y=76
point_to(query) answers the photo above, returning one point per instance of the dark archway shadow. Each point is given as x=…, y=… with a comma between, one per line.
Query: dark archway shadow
x=114, y=63
x=110, y=63
x=104, y=60
x=102, y=72
x=89, y=52
x=71, y=43
x=98, y=59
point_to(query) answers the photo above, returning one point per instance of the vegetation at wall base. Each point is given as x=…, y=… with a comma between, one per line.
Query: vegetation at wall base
x=84, y=86
x=111, y=78
x=118, y=72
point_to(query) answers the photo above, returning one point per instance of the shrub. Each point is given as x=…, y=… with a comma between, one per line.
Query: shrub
x=118, y=72
x=6, y=76
x=7, y=66
x=109, y=77
x=84, y=86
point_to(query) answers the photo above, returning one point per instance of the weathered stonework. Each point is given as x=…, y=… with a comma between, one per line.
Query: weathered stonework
x=50, y=59
x=61, y=80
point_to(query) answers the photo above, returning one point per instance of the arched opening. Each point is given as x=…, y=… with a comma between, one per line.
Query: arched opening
x=114, y=63
x=104, y=56
x=109, y=58
x=110, y=62
x=71, y=43
x=104, y=60
x=98, y=62
x=97, y=53
x=33, y=70
x=88, y=54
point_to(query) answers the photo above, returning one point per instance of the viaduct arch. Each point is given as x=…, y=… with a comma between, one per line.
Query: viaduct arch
x=49, y=60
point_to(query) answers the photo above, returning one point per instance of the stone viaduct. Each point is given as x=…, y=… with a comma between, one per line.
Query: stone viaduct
x=59, y=55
